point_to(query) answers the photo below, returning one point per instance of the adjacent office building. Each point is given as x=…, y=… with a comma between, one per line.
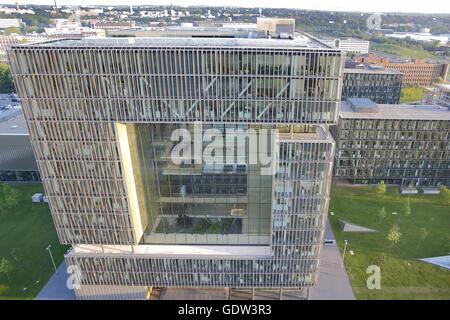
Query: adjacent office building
x=102, y=115
x=415, y=71
x=397, y=144
x=377, y=84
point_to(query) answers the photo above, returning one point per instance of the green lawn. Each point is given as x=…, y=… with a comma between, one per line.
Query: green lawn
x=411, y=94
x=403, y=51
x=25, y=232
x=402, y=276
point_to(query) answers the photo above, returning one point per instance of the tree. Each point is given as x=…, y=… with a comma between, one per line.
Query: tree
x=411, y=94
x=382, y=214
x=381, y=188
x=407, y=210
x=6, y=267
x=444, y=195
x=394, y=235
x=9, y=197
x=6, y=82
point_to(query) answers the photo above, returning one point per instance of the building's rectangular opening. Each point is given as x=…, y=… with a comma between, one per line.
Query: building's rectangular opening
x=188, y=200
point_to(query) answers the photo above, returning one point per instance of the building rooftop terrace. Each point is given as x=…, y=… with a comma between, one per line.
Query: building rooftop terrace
x=301, y=41
x=371, y=71
x=397, y=111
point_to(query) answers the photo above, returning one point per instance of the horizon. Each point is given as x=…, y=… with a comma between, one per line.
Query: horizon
x=354, y=6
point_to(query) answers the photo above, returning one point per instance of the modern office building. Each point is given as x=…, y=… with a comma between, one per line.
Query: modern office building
x=350, y=45
x=415, y=71
x=103, y=114
x=397, y=144
x=377, y=84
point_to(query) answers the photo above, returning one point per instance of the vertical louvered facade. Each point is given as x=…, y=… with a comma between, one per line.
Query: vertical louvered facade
x=83, y=102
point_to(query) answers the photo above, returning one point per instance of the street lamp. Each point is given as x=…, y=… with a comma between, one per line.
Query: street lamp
x=343, y=255
x=51, y=257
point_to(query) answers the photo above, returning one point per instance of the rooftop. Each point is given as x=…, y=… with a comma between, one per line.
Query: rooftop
x=397, y=111
x=301, y=41
x=371, y=71
x=362, y=105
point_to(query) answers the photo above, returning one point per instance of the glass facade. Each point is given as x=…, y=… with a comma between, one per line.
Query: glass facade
x=381, y=87
x=189, y=200
x=19, y=175
x=397, y=151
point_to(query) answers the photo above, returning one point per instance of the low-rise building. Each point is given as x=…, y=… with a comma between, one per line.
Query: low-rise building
x=114, y=25
x=378, y=84
x=349, y=45
x=276, y=27
x=397, y=144
x=415, y=71
x=7, y=23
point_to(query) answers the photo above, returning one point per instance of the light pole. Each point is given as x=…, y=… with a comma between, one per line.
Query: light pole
x=343, y=255
x=51, y=257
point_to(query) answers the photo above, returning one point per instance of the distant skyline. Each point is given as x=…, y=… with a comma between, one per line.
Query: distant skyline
x=429, y=6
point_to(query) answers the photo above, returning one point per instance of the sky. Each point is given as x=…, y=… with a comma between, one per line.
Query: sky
x=421, y=6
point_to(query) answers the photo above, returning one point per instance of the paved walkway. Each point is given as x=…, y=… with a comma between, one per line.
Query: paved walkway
x=332, y=281
x=56, y=287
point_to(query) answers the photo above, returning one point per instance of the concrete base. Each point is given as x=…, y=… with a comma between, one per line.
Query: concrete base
x=194, y=294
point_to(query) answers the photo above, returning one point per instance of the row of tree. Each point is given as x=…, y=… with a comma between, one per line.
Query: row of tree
x=6, y=82
x=9, y=199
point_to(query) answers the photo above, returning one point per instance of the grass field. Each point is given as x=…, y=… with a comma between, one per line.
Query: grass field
x=402, y=275
x=411, y=94
x=25, y=232
x=402, y=51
